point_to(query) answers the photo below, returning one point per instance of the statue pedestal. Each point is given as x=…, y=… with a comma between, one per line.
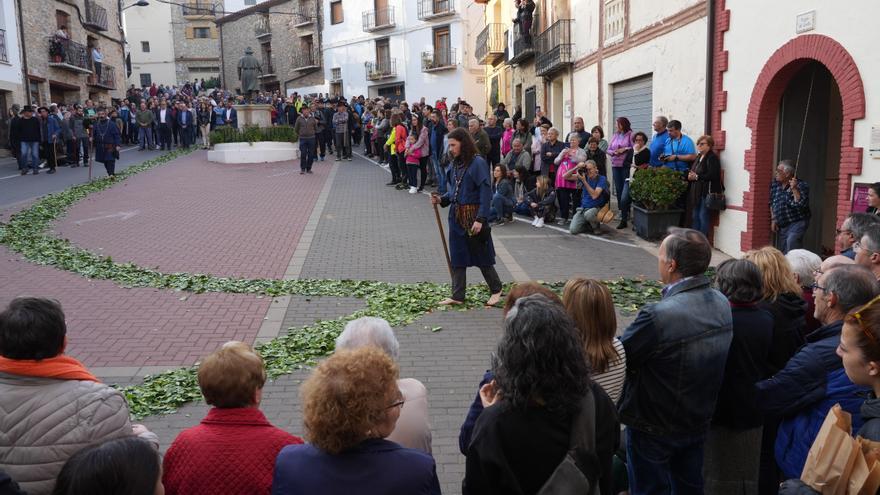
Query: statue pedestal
x=258, y=115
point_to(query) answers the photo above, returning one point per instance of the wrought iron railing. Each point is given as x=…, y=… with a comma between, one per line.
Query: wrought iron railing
x=306, y=59
x=381, y=69
x=377, y=19
x=4, y=57
x=490, y=43
x=435, y=8
x=304, y=13
x=261, y=27
x=443, y=58
x=66, y=53
x=554, y=48
x=107, y=79
x=198, y=8
x=268, y=67
x=96, y=16
x=523, y=46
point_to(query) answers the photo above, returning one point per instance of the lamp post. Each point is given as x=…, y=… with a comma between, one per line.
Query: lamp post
x=139, y=3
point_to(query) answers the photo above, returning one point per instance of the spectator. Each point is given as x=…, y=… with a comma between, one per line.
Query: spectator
x=568, y=190
x=868, y=250
x=805, y=265
x=306, y=127
x=437, y=137
x=517, y=157
x=413, y=428
x=145, y=120
x=501, y=112
x=523, y=183
x=230, y=116
x=107, y=142
x=595, y=196
x=422, y=144
x=789, y=207
x=669, y=397
x=580, y=132
x=588, y=302
x=163, y=122
x=53, y=406
x=658, y=143
x=522, y=133
x=599, y=134
x=342, y=139
x=704, y=178
x=125, y=466
x=621, y=144
x=481, y=139
x=813, y=380
x=542, y=201
x=852, y=229
x=98, y=61
x=204, y=120
x=507, y=137
x=235, y=434
x=68, y=139
x=495, y=133
x=597, y=155
x=351, y=403
x=8, y=486
x=550, y=149
x=542, y=396
x=874, y=199
x=679, y=151
x=51, y=134
x=782, y=298
x=639, y=157
x=413, y=156
x=28, y=133
x=733, y=446
x=503, y=199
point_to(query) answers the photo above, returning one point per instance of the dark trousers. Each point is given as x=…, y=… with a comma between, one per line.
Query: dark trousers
x=320, y=144
x=396, y=167
x=620, y=174
x=110, y=167
x=71, y=151
x=306, y=153
x=175, y=133
x=327, y=141
x=186, y=136
x=165, y=136
x=343, y=145
x=49, y=153
x=81, y=150
x=565, y=196
x=660, y=464
x=412, y=174
x=459, y=280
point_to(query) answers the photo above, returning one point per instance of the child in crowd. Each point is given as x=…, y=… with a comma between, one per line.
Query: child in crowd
x=413, y=155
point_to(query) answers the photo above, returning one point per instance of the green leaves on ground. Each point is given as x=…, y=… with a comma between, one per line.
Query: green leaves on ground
x=29, y=234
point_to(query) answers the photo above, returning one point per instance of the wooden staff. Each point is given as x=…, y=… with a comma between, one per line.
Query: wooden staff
x=443, y=238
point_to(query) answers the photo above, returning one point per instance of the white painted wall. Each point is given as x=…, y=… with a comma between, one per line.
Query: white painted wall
x=852, y=27
x=153, y=24
x=347, y=47
x=10, y=71
x=643, y=13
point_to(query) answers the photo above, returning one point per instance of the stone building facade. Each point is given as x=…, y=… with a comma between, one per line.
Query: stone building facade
x=196, y=39
x=287, y=42
x=60, y=70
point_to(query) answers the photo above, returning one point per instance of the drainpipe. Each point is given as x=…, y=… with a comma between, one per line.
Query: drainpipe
x=710, y=65
x=23, y=53
x=222, y=57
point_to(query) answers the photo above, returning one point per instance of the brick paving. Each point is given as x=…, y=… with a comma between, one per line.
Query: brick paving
x=304, y=310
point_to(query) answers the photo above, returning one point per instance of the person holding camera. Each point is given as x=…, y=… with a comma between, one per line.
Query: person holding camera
x=595, y=196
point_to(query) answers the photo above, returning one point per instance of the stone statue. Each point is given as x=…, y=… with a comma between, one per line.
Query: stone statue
x=248, y=67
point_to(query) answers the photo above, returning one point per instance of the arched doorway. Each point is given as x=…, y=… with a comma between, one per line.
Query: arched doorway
x=776, y=110
x=809, y=119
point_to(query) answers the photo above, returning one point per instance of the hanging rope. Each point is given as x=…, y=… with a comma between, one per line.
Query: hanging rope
x=797, y=160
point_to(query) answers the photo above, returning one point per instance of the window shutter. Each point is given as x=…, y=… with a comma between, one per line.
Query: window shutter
x=189, y=32
x=213, y=32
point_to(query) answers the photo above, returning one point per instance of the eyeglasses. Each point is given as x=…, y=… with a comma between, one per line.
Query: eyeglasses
x=858, y=247
x=858, y=316
x=815, y=286
x=399, y=402
x=840, y=231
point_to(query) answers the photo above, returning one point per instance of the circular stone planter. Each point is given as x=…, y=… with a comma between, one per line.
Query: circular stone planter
x=262, y=152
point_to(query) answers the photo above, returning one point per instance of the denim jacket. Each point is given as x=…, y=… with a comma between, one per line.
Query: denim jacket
x=675, y=353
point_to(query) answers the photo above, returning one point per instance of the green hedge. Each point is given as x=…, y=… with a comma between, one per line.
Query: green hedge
x=657, y=188
x=253, y=134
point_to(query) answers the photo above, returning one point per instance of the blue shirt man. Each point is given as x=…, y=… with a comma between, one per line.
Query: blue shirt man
x=679, y=150
x=789, y=207
x=659, y=141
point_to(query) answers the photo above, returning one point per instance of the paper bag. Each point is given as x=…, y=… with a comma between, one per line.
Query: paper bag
x=831, y=458
x=865, y=476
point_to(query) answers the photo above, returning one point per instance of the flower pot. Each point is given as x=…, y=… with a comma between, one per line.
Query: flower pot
x=57, y=59
x=652, y=224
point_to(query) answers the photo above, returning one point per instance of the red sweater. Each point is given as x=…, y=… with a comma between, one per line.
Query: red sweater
x=231, y=452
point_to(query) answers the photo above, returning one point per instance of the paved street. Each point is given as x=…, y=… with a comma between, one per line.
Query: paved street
x=268, y=221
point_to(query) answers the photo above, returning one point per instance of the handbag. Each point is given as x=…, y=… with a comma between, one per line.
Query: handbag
x=716, y=201
x=570, y=476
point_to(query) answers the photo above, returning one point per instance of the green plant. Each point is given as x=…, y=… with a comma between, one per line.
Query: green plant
x=253, y=134
x=657, y=188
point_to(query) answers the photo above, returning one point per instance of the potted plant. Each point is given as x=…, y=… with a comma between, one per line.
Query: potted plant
x=654, y=191
x=56, y=50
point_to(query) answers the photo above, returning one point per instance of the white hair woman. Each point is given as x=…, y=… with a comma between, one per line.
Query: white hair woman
x=805, y=265
x=413, y=428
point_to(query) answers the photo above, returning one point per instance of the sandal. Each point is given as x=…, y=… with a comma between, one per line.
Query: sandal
x=450, y=302
x=494, y=300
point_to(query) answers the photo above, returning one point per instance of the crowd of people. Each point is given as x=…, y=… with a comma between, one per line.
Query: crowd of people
x=724, y=399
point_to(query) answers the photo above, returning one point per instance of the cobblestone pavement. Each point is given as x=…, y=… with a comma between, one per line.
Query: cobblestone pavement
x=246, y=220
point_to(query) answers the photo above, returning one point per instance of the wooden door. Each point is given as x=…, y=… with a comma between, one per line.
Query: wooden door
x=442, y=47
x=383, y=55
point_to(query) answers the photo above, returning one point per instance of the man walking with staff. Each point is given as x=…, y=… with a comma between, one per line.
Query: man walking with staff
x=469, y=196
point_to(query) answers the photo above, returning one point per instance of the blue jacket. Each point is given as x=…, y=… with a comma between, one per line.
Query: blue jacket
x=438, y=131
x=803, y=392
x=675, y=360
x=373, y=467
x=53, y=126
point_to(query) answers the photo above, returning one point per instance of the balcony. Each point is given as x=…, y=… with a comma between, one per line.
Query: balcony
x=262, y=29
x=107, y=79
x=69, y=55
x=307, y=59
x=554, y=49
x=268, y=69
x=198, y=10
x=4, y=57
x=491, y=44
x=374, y=20
x=443, y=59
x=96, y=16
x=523, y=46
x=432, y=9
x=304, y=14
x=381, y=69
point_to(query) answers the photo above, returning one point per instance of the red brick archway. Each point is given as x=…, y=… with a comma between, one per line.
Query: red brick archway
x=761, y=119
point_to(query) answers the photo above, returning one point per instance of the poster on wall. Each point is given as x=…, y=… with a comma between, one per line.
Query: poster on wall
x=874, y=149
x=860, y=197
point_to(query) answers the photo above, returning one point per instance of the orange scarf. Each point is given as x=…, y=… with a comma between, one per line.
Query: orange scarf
x=58, y=367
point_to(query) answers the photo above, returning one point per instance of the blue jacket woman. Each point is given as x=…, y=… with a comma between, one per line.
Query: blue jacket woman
x=107, y=140
x=469, y=195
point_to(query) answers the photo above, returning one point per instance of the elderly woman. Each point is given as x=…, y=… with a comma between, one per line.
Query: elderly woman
x=351, y=403
x=413, y=428
x=704, y=178
x=568, y=191
x=517, y=157
x=733, y=445
x=495, y=133
x=542, y=397
x=235, y=433
x=805, y=265
x=507, y=137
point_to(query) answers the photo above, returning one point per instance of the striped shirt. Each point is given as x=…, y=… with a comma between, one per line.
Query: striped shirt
x=612, y=379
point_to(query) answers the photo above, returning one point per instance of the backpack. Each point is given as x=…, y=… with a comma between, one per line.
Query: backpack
x=569, y=476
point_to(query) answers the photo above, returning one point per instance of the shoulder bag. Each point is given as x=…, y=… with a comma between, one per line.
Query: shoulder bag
x=569, y=476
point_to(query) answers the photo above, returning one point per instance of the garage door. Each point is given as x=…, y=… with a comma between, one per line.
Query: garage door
x=632, y=99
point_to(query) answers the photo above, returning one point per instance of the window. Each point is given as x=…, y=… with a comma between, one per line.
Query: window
x=204, y=69
x=201, y=32
x=336, y=88
x=615, y=20
x=336, y=73
x=34, y=90
x=146, y=79
x=145, y=46
x=62, y=19
x=336, y=15
x=250, y=2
